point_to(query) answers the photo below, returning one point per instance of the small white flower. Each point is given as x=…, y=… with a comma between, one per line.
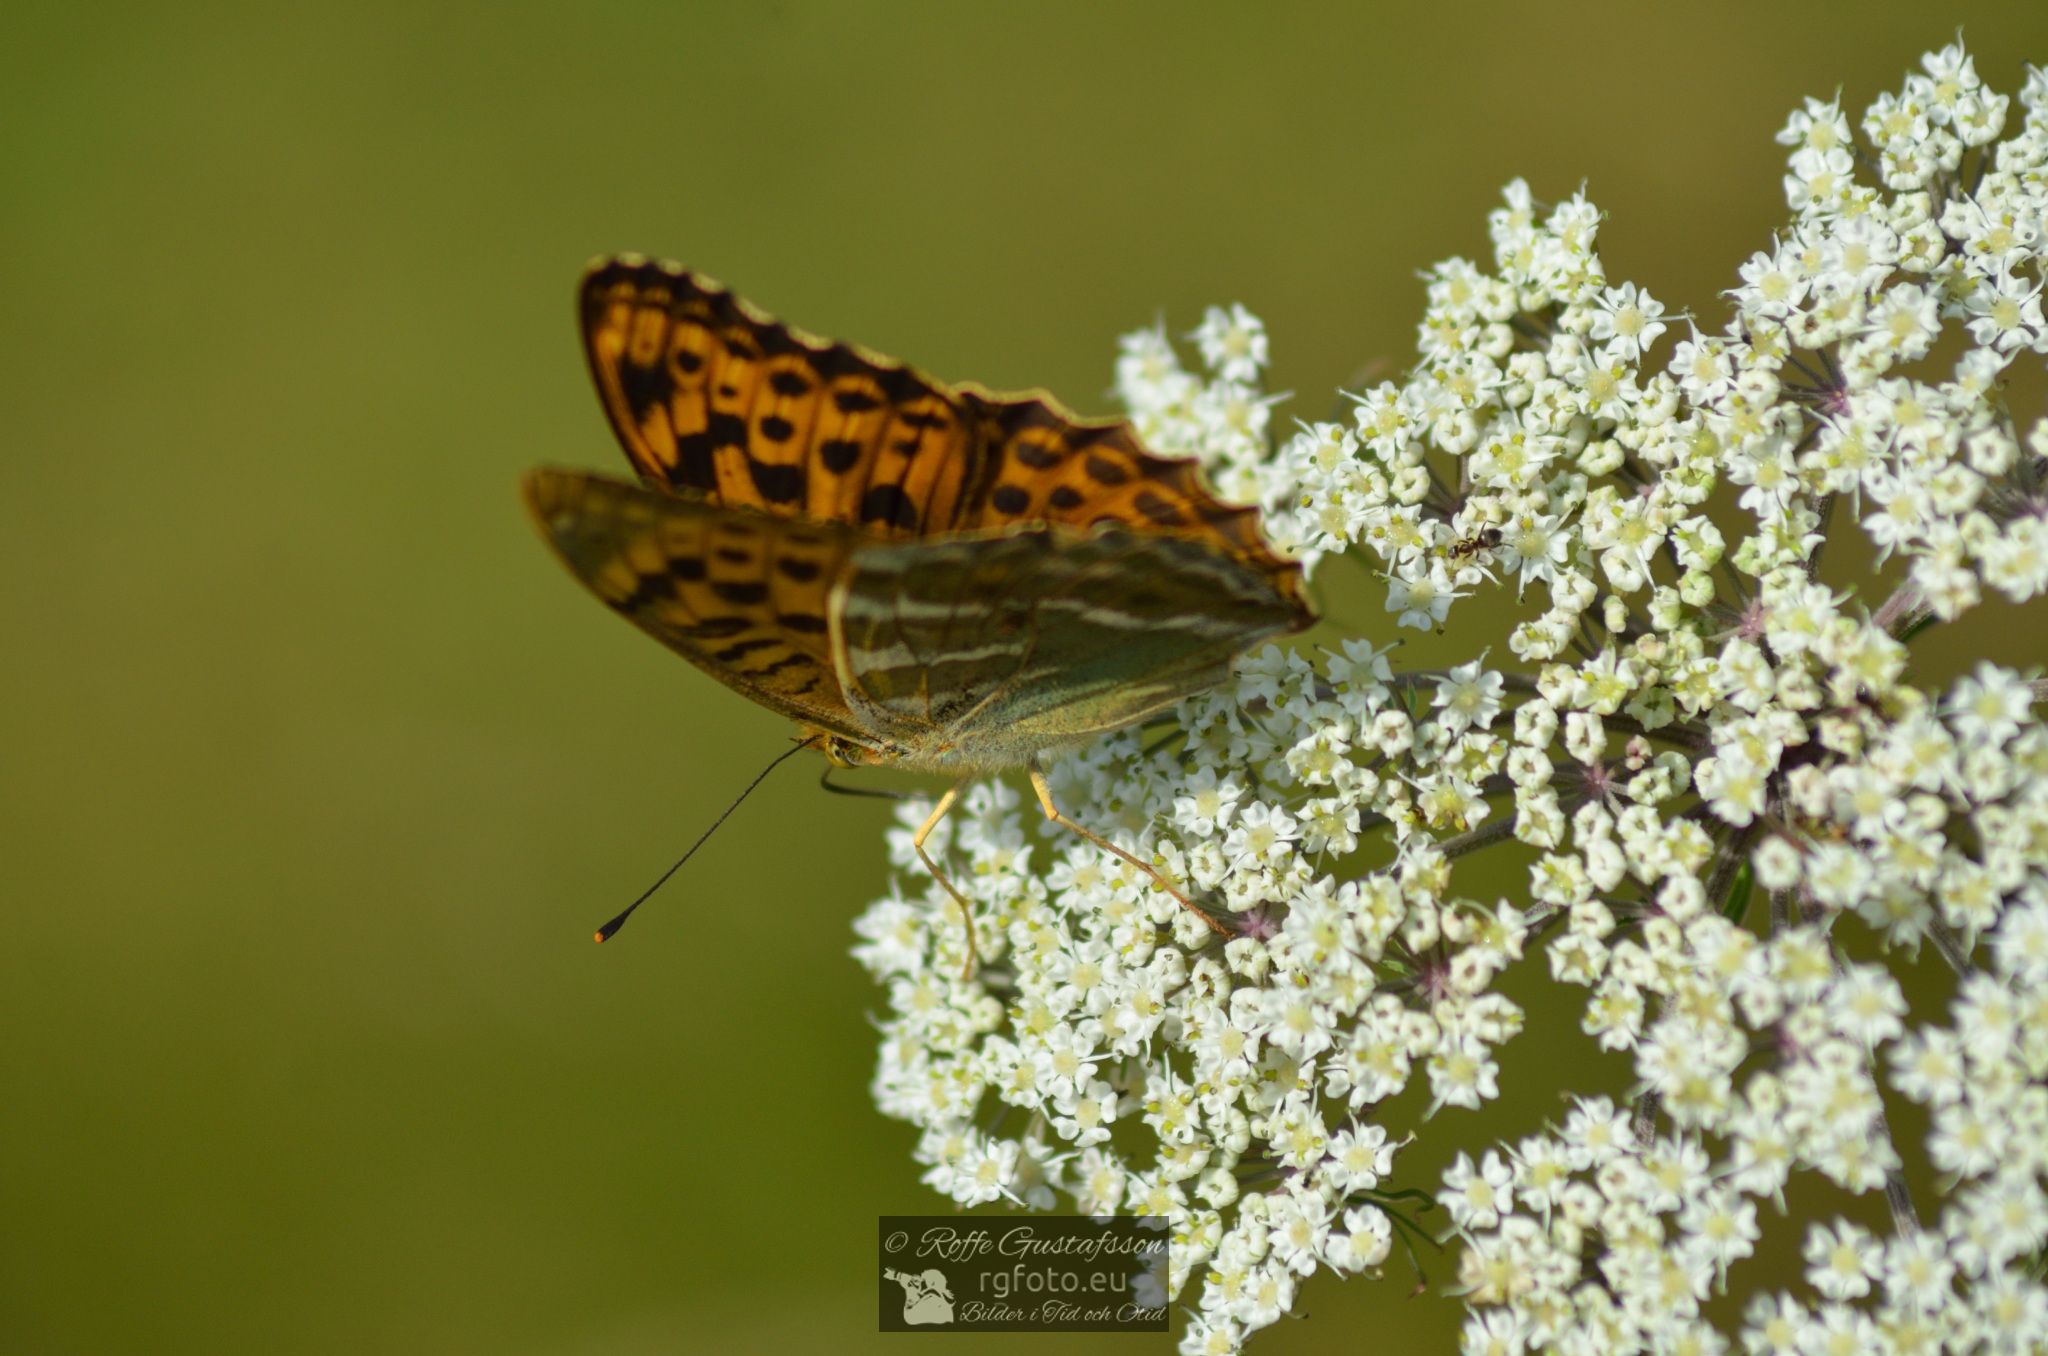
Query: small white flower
x=1478, y=1195
x=1628, y=321
x=1233, y=343
x=1468, y=698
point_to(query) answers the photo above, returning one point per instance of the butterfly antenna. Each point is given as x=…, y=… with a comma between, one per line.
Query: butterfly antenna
x=604, y=933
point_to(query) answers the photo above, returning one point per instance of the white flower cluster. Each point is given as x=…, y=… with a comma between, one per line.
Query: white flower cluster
x=1696, y=724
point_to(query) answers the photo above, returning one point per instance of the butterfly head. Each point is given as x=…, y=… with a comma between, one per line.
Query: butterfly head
x=941, y=756
x=844, y=752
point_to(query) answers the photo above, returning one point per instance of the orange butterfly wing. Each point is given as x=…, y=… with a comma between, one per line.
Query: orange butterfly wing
x=742, y=595
x=1047, y=465
x=711, y=397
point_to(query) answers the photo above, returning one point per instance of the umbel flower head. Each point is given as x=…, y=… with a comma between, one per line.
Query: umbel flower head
x=1748, y=820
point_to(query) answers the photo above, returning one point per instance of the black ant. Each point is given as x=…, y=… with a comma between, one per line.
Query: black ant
x=1485, y=539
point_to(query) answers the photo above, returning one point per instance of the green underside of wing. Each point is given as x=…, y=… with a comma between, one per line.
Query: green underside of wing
x=1003, y=646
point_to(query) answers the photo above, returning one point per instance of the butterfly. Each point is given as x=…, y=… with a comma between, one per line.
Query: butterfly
x=932, y=577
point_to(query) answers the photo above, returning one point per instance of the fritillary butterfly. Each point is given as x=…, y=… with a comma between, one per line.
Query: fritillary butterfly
x=932, y=577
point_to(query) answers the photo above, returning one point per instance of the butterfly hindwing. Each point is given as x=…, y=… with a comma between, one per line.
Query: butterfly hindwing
x=742, y=595
x=997, y=642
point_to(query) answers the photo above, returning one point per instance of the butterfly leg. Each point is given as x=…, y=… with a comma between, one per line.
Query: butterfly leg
x=1054, y=813
x=917, y=841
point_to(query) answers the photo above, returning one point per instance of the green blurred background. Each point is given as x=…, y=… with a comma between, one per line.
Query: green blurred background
x=318, y=769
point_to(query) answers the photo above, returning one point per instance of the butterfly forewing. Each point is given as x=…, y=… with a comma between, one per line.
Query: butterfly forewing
x=713, y=397
x=742, y=595
x=710, y=396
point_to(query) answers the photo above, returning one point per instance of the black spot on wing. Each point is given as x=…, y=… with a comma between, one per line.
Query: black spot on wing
x=776, y=429
x=898, y=385
x=802, y=621
x=1010, y=499
x=644, y=388
x=775, y=340
x=791, y=384
x=788, y=661
x=1104, y=471
x=838, y=361
x=647, y=589
x=802, y=571
x=1029, y=414
x=739, y=650
x=695, y=464
x=838, y=454
x=1064, y=497
x=741, y=592
x=697, y=451
x=888, y=504
x=777, y=484
x=1037, y=456
x=1157, y=509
